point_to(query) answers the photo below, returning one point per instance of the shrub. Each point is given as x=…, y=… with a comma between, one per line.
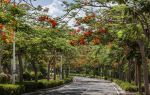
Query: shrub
x=11, y=89
x=30, y=86
x=26, y=76
x=31, y=76
x=41, y=84
x=5, y=78
x=40, y=75
x=126, y=85
x=49, y=84
x=68, y=80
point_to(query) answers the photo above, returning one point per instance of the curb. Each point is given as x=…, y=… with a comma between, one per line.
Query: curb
x=119, y=89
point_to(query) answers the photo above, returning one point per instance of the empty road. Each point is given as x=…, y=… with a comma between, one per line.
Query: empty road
x=84, y=86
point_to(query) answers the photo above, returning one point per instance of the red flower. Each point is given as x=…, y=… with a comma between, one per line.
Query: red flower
x=7, y=1
x=53, y=22
x=88, y=33
x=43, y=18
x=1, y=26
x=82, y=41
x=102, y=30
x=73, y=42
x=3, y=36
x=96, y=41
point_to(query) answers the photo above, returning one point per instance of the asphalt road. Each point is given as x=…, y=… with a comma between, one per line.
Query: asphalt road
x=84, y=86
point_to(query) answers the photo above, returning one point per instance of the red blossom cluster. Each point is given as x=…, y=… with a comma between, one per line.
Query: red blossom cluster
x=87, y=33
x=6, y=37
x=7, y=1
x=89, y=36
x=103, y=30
x=49, y=20
x=82, y=41
x=53, y=22
x=75, y=31
x=73, y=42
x=86, y=19
x=43, y=18
x=1, y=26
x=96, y=41
x=3, y=36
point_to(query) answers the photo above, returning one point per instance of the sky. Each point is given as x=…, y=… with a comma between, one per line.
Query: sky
x=55, y=8
x=42, y=2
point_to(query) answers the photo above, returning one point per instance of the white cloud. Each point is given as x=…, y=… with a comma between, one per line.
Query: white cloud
x=55, y=8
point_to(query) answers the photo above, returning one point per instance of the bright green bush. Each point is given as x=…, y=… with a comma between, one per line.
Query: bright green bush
x=49, y=84
x=126, y=85
x=11, y=89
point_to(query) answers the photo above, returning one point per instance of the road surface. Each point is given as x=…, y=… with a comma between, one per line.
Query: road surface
x=84, y=86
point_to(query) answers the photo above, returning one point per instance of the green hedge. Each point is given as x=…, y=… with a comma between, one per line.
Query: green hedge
x=30, y=86
x=68, y=80
x=11, y=89
x=31, y=76
x=41, y=84
x=126, y=85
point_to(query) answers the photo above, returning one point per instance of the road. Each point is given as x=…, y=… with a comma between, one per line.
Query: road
x=84, y=86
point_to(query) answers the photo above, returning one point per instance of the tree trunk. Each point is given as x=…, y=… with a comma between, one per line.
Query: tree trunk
x=35, y=71
x=129, y=71
x=48, y=72
x=67, y=71
x=54, y=71
x=54, y=68
x=145, y=66
x=61, y=68
x=54, y=65
x=119, y=72
x=139, y=77
x=63, y=74
x=136, y=74
x=49, y=69
x=0, y=58
x=20, y=68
